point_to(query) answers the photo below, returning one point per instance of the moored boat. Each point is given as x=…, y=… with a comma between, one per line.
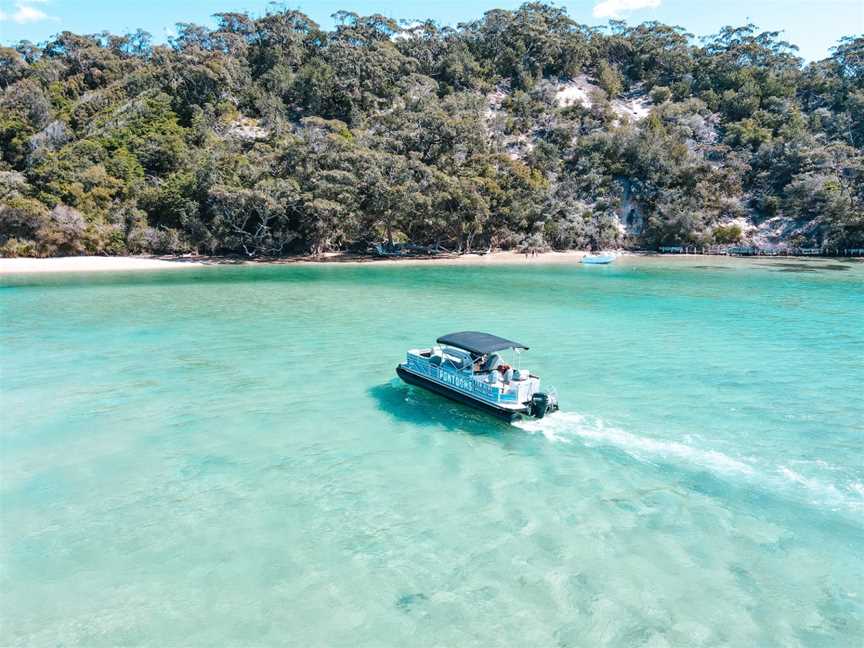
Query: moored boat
x=466, y=367
x=598, y=259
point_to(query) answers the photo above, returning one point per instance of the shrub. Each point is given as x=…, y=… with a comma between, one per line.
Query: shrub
x=727, y=233
x=609, y=78
x=21, y=218
x=19, y=248
x=660, y=94
x=63, y=233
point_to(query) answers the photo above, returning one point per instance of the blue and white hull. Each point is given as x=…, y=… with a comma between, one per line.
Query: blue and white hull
x=598, y=259
x=456, y=395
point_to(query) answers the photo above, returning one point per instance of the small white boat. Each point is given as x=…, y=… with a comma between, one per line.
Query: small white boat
x=598, y=259
x=467, y=368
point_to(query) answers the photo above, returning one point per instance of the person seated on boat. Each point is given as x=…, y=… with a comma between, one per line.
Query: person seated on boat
x=490, y=363
x=506, y=372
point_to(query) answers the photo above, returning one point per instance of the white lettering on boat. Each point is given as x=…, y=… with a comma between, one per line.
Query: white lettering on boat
x=460, y=382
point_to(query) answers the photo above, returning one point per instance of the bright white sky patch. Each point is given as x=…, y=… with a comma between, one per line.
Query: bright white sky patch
x=25, y=13
x=614, y=8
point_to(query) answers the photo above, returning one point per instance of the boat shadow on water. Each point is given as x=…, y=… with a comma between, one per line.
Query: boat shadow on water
x=416, y=406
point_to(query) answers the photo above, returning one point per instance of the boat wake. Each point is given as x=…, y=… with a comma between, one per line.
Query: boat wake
x=570, y=427
x=565, y=426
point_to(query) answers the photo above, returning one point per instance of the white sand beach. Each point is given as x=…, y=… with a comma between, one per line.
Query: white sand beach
x=20, y=266
x=92, y=264
x=491, y=258
x=126, y=263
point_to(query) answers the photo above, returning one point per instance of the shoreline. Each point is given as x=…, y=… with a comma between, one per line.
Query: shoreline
x=27, y=265
x=91, y=264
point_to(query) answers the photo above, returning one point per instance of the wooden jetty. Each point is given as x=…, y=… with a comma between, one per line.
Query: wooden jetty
x=753, y=250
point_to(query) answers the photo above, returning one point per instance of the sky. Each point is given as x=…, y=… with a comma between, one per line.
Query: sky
x=814, y=25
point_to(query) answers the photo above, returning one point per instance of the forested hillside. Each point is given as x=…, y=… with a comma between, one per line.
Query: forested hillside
x=272, y=136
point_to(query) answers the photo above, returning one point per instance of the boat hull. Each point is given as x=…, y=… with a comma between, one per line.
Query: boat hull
x=599, y=260
x=420, y=381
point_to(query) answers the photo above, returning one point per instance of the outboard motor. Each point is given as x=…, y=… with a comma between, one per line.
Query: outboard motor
x=543, y=404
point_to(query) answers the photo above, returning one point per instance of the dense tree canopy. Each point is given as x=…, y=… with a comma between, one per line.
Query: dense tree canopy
x=523, y=129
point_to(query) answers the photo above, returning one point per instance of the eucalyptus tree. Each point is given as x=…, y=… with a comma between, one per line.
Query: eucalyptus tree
x=257, y=221
x=525, y=45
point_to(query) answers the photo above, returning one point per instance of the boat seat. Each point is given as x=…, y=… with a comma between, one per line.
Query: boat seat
x=491, y=362
x=436, y=356
x=457, y=363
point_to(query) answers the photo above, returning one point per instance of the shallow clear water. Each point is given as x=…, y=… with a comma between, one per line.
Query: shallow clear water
x=222, y=456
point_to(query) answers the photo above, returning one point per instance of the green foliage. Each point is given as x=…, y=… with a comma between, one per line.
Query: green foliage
x=660, y=94
x=63, y=233
x=728, y=233
x=21, y=220
x=609, y=78
x=525, y=45
x=747, y=133
x=256, y=220
x=270, y=136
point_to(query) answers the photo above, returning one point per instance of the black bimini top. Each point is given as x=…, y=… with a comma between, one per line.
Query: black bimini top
x=477, y=342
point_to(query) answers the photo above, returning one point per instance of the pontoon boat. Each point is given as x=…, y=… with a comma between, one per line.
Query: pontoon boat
x=467, y=367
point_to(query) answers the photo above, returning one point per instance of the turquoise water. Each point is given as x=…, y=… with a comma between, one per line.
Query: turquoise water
x=222, y=457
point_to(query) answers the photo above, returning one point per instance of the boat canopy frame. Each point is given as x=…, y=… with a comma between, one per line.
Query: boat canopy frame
x=478, y=342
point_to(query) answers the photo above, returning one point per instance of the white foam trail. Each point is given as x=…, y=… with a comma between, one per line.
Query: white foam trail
x=562, y=426
x=565, y=427
x=811, y=484
x=827, y=492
